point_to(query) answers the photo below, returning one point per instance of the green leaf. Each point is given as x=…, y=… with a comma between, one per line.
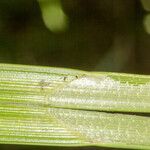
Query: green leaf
x=53, y=15
x=65, y=107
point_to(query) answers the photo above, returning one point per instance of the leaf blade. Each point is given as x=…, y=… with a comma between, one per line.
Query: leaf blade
x=41, y=106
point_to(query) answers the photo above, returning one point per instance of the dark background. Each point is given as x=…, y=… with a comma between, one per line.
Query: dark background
x=99, y=35
x=102, y=35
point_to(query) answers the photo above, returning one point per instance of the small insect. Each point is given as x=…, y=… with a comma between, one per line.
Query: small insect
x=43, y=84
x=65, y=78
x=77, y=77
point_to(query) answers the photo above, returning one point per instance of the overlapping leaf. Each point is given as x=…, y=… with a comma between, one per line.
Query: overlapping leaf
x=53, y=106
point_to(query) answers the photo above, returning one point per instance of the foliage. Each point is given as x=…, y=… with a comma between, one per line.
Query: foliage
x=65, y=107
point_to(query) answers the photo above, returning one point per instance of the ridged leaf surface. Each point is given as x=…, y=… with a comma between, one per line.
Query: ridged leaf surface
x=65, y=107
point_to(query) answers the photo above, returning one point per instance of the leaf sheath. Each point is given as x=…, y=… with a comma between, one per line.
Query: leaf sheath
x=63, y=107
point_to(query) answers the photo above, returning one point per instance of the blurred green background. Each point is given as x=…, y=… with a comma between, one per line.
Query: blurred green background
x=97, y=35
x=94, y=35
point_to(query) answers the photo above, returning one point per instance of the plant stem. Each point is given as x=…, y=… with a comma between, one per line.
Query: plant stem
x=66, y=107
